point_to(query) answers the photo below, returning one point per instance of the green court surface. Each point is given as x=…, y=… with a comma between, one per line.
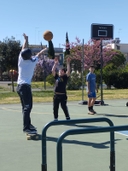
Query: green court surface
x=89, y=152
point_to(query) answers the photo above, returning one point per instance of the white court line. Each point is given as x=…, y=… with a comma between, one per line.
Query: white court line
x=125, y=133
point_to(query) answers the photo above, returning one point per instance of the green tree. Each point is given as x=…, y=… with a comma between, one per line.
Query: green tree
x=76, y=65
x=50, y=79
x=9, y=51
x=51, y=51
x=118, y=59
x=74, y=82
x=115, y=65
x=67, y=51
x=91, y=52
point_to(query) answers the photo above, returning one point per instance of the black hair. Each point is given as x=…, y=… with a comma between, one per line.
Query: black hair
x=26, y=54
x=91, y=66
x=64, y=69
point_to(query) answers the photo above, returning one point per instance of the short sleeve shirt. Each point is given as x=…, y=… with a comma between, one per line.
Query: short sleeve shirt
x=60, y=83
x=26, y=69
x=91, y=78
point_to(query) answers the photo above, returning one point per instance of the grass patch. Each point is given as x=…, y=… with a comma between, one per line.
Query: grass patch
x=41, y=95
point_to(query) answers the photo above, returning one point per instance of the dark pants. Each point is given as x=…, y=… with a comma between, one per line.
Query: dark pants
x=24, y=91
x=60, y=99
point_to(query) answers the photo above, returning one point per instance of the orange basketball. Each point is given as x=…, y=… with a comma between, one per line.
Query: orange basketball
x=48, y=35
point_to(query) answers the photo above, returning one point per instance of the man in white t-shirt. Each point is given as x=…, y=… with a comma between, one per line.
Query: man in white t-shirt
x=26, y=66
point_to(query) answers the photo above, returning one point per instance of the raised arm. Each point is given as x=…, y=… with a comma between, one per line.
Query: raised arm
x=25, y=44
x=68, y=67
x=54, y=66
x=41, y=52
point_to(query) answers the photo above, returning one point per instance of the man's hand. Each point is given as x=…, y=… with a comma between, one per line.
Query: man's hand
x=25, y=36
x=56, y=60
x=25, y=44
x=41, y=52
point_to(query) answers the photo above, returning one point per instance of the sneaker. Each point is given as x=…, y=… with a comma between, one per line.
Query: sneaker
x=67, y=118
x=55, y=119
x=29, y=131
x=32, y=127
x=93, y=111
x=90, y=112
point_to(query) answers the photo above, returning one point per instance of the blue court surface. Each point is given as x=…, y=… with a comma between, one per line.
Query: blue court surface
x=87, y=151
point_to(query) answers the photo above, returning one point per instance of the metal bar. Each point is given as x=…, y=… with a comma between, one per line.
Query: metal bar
x=85, y=131
x=65, y=122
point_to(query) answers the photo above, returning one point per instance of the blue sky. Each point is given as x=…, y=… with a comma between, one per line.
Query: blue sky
x=61, y=16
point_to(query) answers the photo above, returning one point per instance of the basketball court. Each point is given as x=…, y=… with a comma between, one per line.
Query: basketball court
x=89, y=151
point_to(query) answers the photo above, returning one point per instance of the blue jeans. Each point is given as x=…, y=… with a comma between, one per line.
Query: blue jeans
x=25, y=94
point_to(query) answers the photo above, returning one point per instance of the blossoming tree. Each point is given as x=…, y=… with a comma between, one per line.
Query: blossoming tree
x=91, y=52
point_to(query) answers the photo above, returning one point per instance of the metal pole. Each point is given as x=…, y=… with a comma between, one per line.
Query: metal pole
x=12, y=74
x=0, y=70
x=44, y=80
x=82, y=70
x=44, y=63
x=101, y=74
x=82, y=77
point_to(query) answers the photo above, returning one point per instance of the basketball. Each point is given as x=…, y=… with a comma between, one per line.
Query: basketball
x=48, y=35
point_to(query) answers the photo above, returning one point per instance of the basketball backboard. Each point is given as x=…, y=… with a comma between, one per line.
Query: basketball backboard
x=101, y=31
